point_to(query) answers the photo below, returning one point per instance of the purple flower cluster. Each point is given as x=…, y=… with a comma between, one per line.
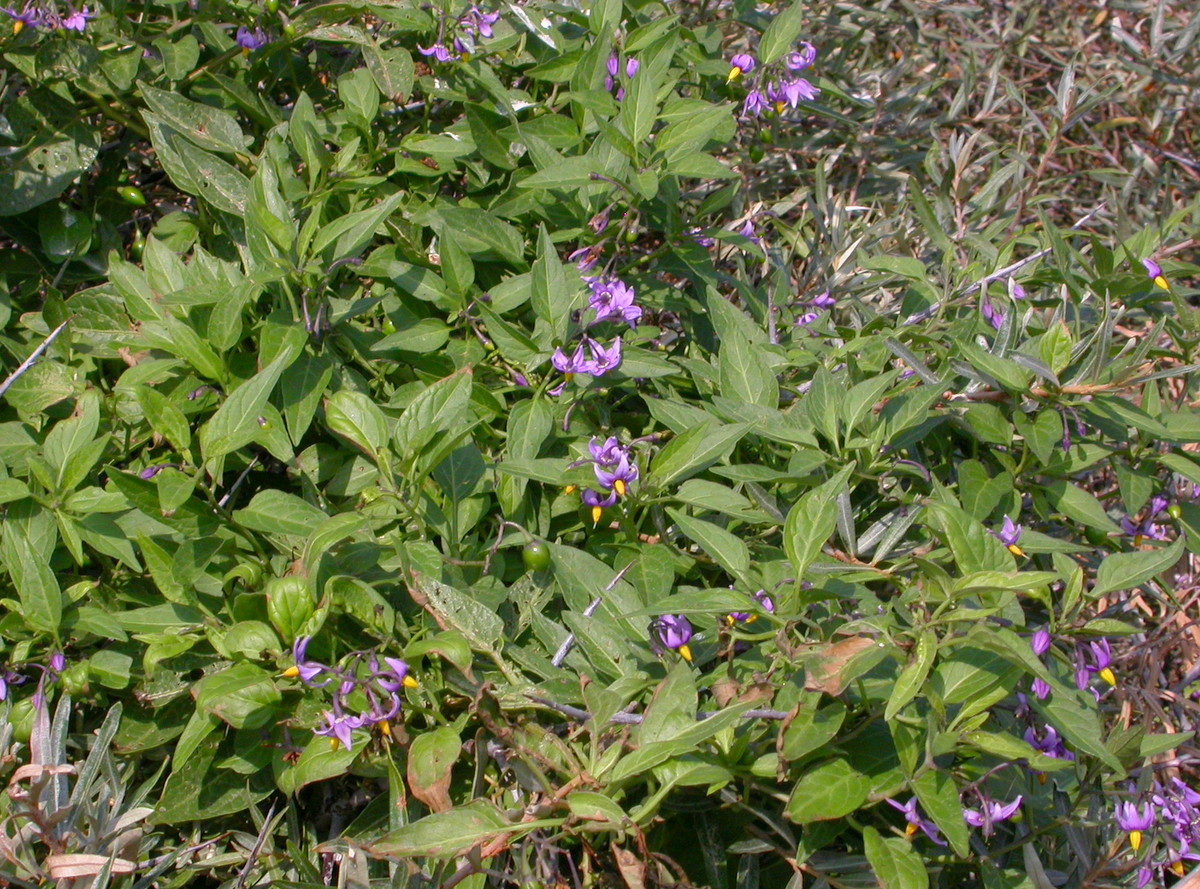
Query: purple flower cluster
x=991, y=314
x=378, y=680
x=765, y=602
x=615, y=471
x=1148, y=528
x=671, y=632
x=471, y=24
x=1048, y=743
x=610, y=300
x=785, y=88
x=612, y=78
x=1174, y=807
x=814, y=307
x=49, y=17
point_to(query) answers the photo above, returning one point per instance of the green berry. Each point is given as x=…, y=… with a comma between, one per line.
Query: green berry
x=131, y=195
x=1174, y=511
x=536, y=556
x=75, y=679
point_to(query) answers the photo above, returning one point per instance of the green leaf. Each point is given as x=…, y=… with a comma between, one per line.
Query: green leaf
x=1124, y=571
x=355, y=417
x=482, y=234
x=28, y=540
x=235, y=423
x=392, y=69
x=974, y=548
x=895, y=863
x=639, y=108
x=45, y=168
x=831, y=790
x=319, y=761
x=243, y=696
x=451, y=834
x=348, y=235
x=437, y=409
x=810, y=522
x=278, y=512
x=552, y=298
x=730, y=552
x=692, y=452
x=745, y=375
x=206, y=126
x=779, y=36
x=1076, y=503
x=813, y=726
x=481, y=626
x=571, y=172
x=912, y=677
x=939, y=798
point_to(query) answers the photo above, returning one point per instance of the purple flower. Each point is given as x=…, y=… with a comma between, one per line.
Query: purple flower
x=631, y=67
x=744, y=617
x=438, y=51
x=338, y=726
x=613, y=299
x=991, y=814
x=1009, y=534
x=1132, y=821
x=990, y=313
x=1015, y=290
x=619, y=478
x=753, y=104
x=474, y=20
x=1040, y=643
x=250, y=40
x=1154, y=272
x=823, y=301
x=740, y=64
x=1040, y=689
x=571, y=364
x=307, y=670
x=57, y=663
x=915, y=821
x=1147, y=529
x=1099, y=663
x=585, y=257
x=798, y=61
x=610, y=452
x=599, y=222
x=150, y=471
x=29, y=17
x=77, y=21
x=671, y=631
x=704, y=241
x=791, y=93
x=393, y=677
x=597, y=502
x=1048, y=744
x=603, y=360
x=806, y=319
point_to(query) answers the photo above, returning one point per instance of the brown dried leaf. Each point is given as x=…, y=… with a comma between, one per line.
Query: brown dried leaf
x=66, y=867
x=632, y=868
x=824, y=671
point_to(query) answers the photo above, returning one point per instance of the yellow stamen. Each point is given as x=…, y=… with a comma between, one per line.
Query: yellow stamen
x=569, y=489
x=1107, y=675
x=1016, y=550
x=1160, y=281
x=1137, y=539
x=910, y=830
x=1041, y=777
x=1135, y=839
x=596, y=512
x=409, y=682
x=619, y=487
x=685, y=653
x=734, y=73
x=18, y=27
x=333, y=743
x=779, y=106
x=730, y=619
x=752, y=618
x=385, y=729
x=291, y=672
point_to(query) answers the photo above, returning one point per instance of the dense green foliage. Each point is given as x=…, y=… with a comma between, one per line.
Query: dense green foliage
x=597, y=446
